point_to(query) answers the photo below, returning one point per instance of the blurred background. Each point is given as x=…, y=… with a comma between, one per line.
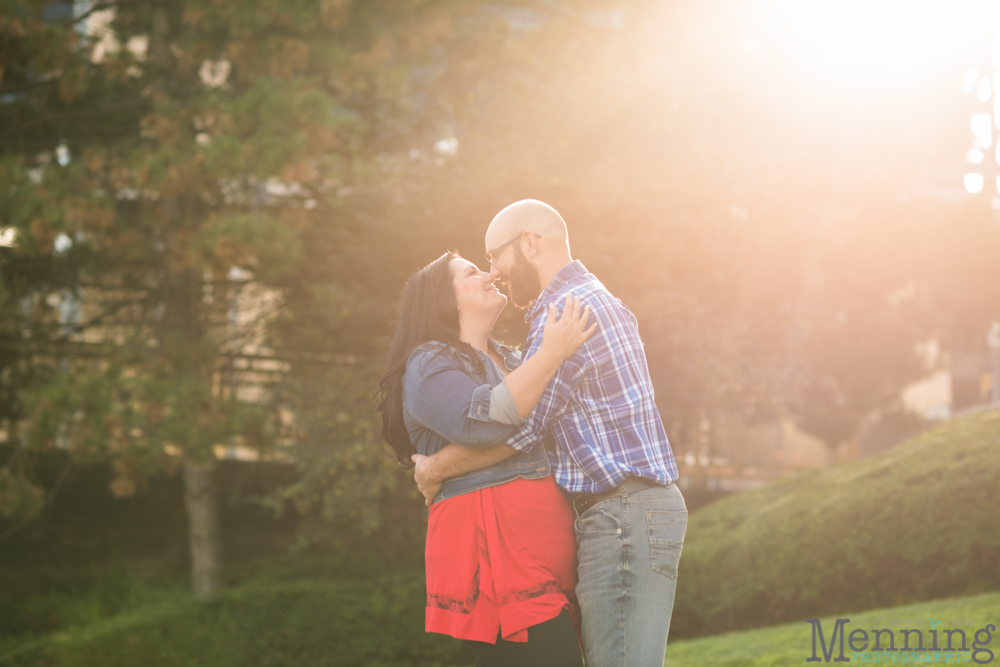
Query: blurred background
x=208, y=210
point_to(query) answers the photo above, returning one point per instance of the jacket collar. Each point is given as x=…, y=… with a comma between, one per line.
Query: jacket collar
x=511, y=357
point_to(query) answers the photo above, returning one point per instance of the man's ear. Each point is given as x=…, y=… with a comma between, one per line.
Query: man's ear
x=530, y=241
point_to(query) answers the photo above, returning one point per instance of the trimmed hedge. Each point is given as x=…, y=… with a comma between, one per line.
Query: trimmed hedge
x=287, y=617
x=918, y=522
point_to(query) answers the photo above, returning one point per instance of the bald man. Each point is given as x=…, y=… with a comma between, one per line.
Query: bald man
x=606, y=443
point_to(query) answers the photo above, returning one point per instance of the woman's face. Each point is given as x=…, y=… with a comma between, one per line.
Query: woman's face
x=475, y=292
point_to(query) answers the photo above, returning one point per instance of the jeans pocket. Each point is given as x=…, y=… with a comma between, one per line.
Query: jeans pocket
x=666, y=537
x=598, y=521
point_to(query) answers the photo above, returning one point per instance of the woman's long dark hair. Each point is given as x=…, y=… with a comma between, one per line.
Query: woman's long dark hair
x=427, y=311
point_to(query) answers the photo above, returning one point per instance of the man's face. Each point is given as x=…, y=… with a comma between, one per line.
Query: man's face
x=513, y=270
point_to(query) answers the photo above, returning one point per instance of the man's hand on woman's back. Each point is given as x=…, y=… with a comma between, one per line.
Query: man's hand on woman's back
x=428, y=486
x=432, y=472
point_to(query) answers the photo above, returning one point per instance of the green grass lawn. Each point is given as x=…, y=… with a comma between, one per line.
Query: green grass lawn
x=791, y=644
x=920, y=521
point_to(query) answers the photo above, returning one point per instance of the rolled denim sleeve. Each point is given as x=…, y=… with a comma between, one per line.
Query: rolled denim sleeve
x=496, y=403
x=442, y=397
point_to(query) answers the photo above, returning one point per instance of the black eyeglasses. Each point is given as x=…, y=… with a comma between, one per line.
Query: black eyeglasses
x=492, y=255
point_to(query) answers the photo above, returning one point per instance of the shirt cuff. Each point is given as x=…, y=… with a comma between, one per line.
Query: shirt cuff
x=494, y=404
x=521, y=441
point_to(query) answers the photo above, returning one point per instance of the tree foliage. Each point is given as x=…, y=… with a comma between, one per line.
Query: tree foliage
x=189, y=183
x=772, y=236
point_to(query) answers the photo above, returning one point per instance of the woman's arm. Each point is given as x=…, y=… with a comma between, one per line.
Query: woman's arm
x=440, y=396
x=560, y=339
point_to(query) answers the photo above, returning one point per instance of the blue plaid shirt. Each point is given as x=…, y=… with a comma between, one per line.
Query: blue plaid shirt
x=597, y=417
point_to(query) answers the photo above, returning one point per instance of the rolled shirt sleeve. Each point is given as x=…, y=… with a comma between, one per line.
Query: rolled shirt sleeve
x=499, y=403
x=441, y=397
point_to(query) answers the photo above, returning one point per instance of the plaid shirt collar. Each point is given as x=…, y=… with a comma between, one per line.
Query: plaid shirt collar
x=566, y=273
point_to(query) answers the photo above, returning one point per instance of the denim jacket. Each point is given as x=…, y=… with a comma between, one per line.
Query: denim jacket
x=445, y=399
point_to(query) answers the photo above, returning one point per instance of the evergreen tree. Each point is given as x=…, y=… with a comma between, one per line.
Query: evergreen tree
x=185, y=182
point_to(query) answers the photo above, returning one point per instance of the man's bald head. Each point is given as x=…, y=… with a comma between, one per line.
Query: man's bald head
x=538, y=245
x=527, y=215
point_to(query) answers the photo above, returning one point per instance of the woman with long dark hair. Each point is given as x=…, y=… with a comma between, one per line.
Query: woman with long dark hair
x=500, y=551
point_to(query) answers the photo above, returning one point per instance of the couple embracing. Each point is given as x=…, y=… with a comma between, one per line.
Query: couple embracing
x=554, y=513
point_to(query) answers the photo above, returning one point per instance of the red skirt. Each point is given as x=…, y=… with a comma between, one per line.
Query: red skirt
x=500, y=560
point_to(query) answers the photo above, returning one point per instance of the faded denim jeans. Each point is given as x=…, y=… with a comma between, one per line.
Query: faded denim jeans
x=629, y=548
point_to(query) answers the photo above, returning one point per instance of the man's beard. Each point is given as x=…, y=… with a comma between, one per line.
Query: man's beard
x=522, y=281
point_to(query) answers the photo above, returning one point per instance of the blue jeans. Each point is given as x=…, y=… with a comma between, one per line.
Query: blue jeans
x=629, y=548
